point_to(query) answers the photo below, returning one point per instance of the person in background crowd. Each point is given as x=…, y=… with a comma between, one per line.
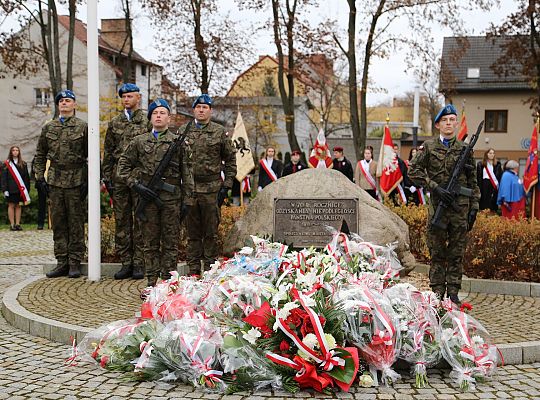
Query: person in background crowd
x=511, y=195
x=415, y=195
x=122, y=129
x=270, y=169
x=431, y=169
x=365, y=173
x=488, y=176
x=42, y=199
x=295, y=165
x=64, y=141
x=136, y=166
x=341, y=163
x=15, y=186
x=213, y=152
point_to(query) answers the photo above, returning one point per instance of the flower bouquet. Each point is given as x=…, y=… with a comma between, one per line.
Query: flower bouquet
x=372, y=326
x=419, y=329
x=306, y=343
x=186, y=350
x=117, y=346
x=468, y=348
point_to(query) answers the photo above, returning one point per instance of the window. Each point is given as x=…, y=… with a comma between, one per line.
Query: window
x=496, y=121
x=143, y=70
x=473, y=73
x=43, y=97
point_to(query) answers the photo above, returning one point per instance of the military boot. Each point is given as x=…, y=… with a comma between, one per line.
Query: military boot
x=74, y=269
x=62, y=269
x=125, y=272
x=138, y=272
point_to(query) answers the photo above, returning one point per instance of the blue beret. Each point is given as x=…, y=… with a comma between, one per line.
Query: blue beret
x=128, y=88
x=446, y=110
x=64, y=94
x=157, y=103
x=203, y=99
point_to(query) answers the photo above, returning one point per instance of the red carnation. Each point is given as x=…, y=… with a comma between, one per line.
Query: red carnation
x=465, y=307
x=284, y=346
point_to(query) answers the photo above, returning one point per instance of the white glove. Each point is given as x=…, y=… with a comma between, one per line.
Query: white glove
x=6, y=194
x=259, y=188
x=412, y=189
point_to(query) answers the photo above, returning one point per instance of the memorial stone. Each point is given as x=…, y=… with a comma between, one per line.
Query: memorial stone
x=374, y=222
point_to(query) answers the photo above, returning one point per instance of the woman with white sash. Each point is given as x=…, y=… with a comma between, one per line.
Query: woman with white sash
x=365, y=173
x=488, y=176
x=15, y=186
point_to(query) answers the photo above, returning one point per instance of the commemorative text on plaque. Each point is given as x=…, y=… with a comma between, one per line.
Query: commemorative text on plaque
x=303, y=222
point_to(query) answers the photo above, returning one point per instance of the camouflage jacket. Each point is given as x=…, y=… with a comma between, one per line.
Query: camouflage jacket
x=66, y=145
x=212, y=151
x=119, y=133
x=433, y=164
x=143, y=155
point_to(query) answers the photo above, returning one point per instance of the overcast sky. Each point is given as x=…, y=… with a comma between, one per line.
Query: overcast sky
x=388, y=74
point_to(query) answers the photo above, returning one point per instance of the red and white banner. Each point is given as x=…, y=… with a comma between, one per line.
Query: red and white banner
x=530, y=177
x=388, y=166
x=23, y=190
x=267, y=166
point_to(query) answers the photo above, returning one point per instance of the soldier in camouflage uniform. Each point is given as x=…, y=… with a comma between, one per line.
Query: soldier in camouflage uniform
x=212, y=149
x=137, y=164
x=64, y=141
x=121, y=131
x=431, y=168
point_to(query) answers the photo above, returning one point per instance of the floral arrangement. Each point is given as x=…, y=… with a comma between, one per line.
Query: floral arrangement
x=273, y=318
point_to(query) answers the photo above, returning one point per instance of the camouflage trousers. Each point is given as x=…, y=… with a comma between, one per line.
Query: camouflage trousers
x=161, y=235
x=128, y=239
x=68, y=217
x=202, y=231
x=447, y=247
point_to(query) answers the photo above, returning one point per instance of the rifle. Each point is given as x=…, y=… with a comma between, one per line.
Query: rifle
x=453, y=186
x=156, y=183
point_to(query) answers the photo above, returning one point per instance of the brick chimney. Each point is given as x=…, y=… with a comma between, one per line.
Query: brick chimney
x=113, y=31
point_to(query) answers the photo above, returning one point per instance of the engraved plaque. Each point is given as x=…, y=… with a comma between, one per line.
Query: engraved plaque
x=302, y=222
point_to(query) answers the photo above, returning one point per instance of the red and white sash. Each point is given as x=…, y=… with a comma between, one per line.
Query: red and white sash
x=19, y=181
x=364, y=167
x=268, y=168
x=492, y=179
x=421, y=196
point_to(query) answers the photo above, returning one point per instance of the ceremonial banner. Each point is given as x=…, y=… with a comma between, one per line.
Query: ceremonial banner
x=530, y=177
x=388, y=167
x=244, y=157
x=462, y=134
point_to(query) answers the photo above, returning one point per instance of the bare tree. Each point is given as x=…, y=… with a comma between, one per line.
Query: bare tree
x=521, y=48
x=24, y=57
x=421, y=16
x=207, y=49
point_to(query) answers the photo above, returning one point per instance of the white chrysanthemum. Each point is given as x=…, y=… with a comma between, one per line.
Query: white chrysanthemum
x=252, y=335
x=330, y=340
x=477, y=340
x=365, y=380
x=284, y=312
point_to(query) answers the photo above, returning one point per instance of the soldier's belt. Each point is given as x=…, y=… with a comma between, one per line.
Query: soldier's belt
x=67, y=166
x=206, y=178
